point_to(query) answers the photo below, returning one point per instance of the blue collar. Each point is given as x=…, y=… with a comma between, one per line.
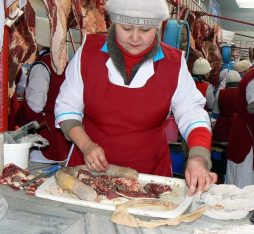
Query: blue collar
x=159, y=55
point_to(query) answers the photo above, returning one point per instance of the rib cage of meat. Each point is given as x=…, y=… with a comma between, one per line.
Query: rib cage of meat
x=113, y=186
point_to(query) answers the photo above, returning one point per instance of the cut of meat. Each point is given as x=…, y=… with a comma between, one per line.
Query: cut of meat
x=157, y=189
x=14, y=176
x=22, y=47
x=58, y=14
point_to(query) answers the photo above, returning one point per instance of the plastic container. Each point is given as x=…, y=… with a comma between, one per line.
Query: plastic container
x=178, y=161
x=17, y=154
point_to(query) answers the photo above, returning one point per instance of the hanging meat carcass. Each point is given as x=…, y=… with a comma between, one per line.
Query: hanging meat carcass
x=22, y=46
x=58, y=13
x=204, y=43
x=22, y=42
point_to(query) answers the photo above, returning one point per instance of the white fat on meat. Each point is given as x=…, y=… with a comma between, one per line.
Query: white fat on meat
x=58, y=14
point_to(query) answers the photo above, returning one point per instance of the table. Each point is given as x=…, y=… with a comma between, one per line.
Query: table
x=28, y=214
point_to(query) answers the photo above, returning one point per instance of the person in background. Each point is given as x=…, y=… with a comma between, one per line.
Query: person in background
x=200, y=72
x=224, y=106
x=40, y=95
x=117, y=115
x=240, y=146
x=243, y=66
x=222, y=78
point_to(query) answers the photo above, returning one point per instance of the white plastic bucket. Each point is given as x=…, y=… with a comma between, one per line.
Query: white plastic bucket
x=17, y=154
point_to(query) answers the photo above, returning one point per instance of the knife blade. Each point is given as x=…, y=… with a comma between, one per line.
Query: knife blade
x=45, y=173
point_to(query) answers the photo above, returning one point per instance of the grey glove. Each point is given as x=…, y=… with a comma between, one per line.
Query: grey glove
x=250, y=107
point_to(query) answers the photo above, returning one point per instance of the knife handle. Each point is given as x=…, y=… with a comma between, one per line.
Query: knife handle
x=51, y=170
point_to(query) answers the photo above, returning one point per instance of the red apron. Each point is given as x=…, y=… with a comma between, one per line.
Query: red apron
x=128, y=122
x=227, y=106
x=242, y=131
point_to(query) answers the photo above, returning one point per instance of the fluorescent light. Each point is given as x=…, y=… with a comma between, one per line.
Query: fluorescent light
x=245, y=3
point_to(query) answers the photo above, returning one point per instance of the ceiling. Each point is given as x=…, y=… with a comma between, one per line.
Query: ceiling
x=230, y=9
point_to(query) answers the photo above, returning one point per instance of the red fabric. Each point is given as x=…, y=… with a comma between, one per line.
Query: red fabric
x=202, y=87
x=130, y=59
x=128, y=123
x=199, y=137
x=15, y=106
x=58, y=146
x=227, y=106
x=240, y=139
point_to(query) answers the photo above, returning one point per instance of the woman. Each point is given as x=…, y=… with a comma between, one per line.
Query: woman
x=43, y=85
x=241, y=141
x=127, y=86
x=225, y=106
x=200, y=72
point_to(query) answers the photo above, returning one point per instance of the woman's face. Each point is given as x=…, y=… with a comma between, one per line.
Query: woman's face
x=135, y=39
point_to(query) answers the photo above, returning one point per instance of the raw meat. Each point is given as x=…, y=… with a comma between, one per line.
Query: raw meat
x=58, y=14
x=22, y=46
x=14, y=176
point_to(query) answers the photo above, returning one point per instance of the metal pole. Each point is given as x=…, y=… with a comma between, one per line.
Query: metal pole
x=225, y=18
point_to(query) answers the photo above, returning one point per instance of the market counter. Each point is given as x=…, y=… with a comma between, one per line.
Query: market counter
x=29, y=214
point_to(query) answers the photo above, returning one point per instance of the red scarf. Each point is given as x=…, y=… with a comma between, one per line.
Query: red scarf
x=132, y=60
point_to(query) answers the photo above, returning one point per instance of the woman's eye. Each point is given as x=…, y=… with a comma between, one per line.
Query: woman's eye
x=127, y=29
x=145, y=29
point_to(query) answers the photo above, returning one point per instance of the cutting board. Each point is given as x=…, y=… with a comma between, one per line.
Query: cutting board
x=50, y=190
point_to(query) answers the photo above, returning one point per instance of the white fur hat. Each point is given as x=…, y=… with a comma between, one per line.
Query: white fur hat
x=138, y=12
x=242, y=66
x=201, y=67
x=233, y=76
x=223, y=74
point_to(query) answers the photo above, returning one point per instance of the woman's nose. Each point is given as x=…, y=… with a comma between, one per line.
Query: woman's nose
x=135, y=35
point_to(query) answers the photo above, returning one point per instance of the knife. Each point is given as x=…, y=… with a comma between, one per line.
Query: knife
x=45, y=173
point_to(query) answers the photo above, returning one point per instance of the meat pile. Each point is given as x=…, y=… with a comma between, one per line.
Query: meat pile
x=14, y=176
x=114, y=186
x=111, y=186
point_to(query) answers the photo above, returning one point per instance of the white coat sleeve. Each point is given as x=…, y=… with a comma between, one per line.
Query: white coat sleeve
x=188, y=104
x=37, y=88
x=69, y=102
x=250, y=92
x=209, y=96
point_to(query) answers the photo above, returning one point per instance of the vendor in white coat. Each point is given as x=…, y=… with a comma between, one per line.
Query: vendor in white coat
x=200, y=72
x=119, y=91
x=240, y=161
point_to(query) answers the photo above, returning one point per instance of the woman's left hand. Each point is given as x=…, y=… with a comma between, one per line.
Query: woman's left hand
x=197, y=176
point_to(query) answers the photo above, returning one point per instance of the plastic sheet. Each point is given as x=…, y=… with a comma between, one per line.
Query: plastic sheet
x=3, y=206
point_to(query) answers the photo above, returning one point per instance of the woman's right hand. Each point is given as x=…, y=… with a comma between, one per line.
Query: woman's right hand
x=94, y=157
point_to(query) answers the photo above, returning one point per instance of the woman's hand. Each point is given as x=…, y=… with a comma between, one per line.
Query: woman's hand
x=197, y=176
x=94, y=157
